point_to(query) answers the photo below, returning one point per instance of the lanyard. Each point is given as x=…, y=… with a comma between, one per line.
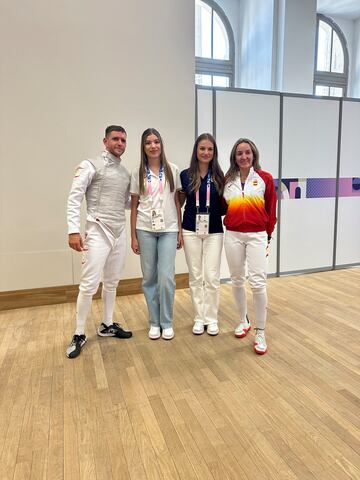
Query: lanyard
x=208, y=180
x=161, y=183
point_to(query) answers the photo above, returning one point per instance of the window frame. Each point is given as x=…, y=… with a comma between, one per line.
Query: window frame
x=331, y=79
x=215, y=67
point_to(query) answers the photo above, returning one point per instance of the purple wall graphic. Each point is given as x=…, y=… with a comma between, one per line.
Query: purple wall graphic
x=294, y=188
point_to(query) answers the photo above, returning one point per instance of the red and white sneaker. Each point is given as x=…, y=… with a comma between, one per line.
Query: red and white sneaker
x=242, y=329
x=260, y=346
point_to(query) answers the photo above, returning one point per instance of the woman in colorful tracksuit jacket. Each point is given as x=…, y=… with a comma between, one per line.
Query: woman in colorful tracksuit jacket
x=250, y=220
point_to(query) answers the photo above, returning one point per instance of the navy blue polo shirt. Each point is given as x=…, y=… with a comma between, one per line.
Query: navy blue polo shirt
x=188, y=223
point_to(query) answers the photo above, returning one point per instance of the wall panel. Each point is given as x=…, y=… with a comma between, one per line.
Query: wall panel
x=309, y=161
x=255, y=116
x=310, y=157
x=348, y=227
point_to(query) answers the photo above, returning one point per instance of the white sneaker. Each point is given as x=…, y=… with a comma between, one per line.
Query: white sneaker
x=212, y=329
x=154, y=332
x=198, y=328
x=168, y=333
x=242, y=329
x=260, y=346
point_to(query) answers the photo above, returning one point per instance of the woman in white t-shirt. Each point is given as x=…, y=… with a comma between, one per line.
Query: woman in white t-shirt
x=156, y=230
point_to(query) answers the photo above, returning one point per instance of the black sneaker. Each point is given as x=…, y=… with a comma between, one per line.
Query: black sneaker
x=74, y=349
x=114, y=330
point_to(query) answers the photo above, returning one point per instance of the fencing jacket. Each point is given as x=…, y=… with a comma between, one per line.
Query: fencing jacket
x=105, y=183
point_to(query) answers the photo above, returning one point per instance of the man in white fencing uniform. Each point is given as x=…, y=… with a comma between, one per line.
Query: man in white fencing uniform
x=105, y=184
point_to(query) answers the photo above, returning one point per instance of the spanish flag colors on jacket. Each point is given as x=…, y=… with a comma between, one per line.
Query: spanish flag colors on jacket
x=252, y=208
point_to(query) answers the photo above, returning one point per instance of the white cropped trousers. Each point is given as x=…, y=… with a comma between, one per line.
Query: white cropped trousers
x=102, y=261
x=248, y=248
x=203, y=257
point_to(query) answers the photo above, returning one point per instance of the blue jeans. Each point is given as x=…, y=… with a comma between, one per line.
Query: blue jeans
x=157, y=258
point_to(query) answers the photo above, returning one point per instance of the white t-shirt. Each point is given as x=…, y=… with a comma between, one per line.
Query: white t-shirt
x=148, y=202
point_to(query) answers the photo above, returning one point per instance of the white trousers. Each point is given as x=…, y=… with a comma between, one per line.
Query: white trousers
x=102, y=261
x=203, y=257
x=248, y=248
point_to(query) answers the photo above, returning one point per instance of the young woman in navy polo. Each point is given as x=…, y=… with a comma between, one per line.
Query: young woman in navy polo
x=202, y=187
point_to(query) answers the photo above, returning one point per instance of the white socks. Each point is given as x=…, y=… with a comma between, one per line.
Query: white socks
x=240, y=298
x=83, y=307
x=109, y=299
x=260, y=304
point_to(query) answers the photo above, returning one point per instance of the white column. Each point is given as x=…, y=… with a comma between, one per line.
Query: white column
x=294, y=54
x=355, y=71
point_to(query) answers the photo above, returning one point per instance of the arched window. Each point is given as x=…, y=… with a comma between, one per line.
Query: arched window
x=331, y=59
x=214, y=46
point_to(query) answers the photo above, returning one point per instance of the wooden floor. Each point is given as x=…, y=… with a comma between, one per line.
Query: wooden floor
x=194, y=407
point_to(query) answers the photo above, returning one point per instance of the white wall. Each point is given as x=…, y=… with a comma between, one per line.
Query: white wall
x=299, y=46
x=231, y=8
x=274, y=41
x=275, y=44
x=252, y=25
x=256, y=36
x=278, y=45
x=69, y=69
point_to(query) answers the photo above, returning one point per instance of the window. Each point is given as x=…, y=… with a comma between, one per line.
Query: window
x=331, y=59
x=214, y=46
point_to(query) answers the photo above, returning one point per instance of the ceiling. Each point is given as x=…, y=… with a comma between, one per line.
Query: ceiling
x=349, y=9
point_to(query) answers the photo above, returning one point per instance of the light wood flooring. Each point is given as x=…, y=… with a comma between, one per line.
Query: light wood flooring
x=190, y=408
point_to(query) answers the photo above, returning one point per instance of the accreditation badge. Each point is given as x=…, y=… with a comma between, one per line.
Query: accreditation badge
x=202, y=224
x=157, y=219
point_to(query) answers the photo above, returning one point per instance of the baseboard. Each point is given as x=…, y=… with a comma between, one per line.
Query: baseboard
x=67, y=293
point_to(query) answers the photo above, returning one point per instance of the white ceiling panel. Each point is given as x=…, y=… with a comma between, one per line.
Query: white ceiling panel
x=349, y=9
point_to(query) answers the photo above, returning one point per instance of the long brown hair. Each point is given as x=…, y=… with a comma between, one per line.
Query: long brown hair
x=144, y=161
x=217, y=174
x=233, y=171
